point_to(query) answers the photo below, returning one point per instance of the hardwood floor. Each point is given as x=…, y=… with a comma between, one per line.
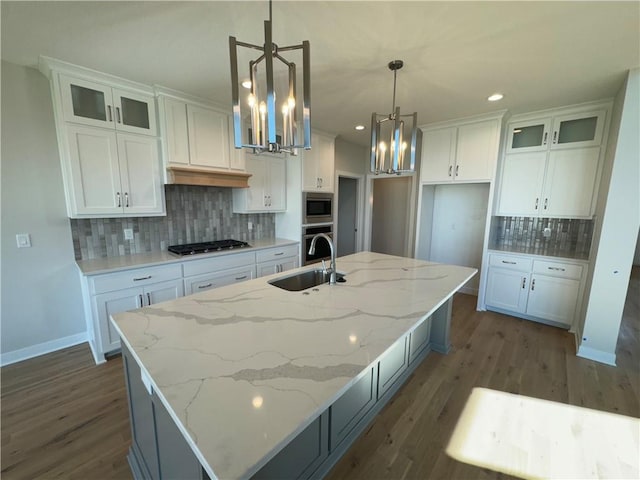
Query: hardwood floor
x=64, y=417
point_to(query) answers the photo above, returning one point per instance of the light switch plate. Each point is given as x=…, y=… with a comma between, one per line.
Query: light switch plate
x=23, y=240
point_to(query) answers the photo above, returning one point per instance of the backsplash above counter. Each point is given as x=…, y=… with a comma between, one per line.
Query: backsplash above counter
x=194, y=214
x=567, y=238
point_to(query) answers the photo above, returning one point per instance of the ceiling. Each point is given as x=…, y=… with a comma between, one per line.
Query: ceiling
x=538, y=54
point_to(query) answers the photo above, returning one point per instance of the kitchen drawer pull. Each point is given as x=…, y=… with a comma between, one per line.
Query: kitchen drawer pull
x=142, y=278
x=149, y=298
x=241, y=278
x=206, y=286
x=510, y=263
x=141, y=301
x=557, y=269
x=278, y=254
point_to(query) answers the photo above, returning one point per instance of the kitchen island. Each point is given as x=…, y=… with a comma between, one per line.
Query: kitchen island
x=252, y=380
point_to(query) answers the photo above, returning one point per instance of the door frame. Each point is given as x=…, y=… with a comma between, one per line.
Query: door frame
x=359, y=197
x=409, y=246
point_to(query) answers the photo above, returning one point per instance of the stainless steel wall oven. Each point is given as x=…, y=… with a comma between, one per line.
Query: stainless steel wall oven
x=323, y=252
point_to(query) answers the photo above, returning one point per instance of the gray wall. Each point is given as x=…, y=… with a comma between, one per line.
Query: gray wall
x=350, y=157
x=41, y=298
x=389, y=225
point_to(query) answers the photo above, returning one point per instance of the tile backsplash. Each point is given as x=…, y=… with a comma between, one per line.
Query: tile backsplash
x=194, y=214
x=569, y=238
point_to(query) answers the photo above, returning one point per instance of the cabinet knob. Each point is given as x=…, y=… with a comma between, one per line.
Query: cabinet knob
x=546, y=202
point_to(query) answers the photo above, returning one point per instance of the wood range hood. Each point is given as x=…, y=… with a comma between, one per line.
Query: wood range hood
x=185, y=175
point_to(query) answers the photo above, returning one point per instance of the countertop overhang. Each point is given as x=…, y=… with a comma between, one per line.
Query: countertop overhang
x=244, y=368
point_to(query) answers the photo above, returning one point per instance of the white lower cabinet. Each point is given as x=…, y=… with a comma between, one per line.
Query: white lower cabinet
x=208, y=273
x=541, y=289
x=118, y=292
x=277, y=260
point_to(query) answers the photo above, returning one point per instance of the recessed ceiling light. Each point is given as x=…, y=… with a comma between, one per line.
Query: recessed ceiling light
x=246, y=84
x=359, y=127
x=495, y=97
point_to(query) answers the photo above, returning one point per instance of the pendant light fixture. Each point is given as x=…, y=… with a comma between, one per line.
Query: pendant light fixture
x=265, y=127
x=389, y=138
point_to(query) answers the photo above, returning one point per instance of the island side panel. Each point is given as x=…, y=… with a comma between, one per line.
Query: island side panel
x=440, y=327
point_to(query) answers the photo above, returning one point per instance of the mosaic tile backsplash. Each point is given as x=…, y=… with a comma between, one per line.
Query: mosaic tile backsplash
x=194, y=214
x=570, y=238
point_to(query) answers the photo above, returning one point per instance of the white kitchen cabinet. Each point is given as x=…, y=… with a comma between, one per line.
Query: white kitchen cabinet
x=99, y=104
x=277, y=260
x=196, y=135
x=208, y=281
x=558, y=130
x=267, y=185
x=112, y=174
x=142, y=287
x=534, y=288
x=461, y=153
x=318, y=164
x=560, y=183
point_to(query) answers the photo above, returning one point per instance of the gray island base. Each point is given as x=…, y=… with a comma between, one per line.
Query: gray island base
x=252, y=381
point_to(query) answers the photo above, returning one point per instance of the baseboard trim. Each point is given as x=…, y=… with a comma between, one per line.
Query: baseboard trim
x=42, y=348
x=597, y=355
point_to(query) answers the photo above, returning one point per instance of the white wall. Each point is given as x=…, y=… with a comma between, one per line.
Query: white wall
x=41, y=297
x=350, y=157
x=616, y=228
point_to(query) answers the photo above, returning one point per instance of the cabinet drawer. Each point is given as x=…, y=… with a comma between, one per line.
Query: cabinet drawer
x=134, y=278
x=276, y=253
x=207, y=281
x=209, y=265
x=558, y=269
x=522, y=264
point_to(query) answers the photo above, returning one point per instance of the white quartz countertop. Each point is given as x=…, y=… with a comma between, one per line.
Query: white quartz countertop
x=244, y=368
x=98, y=266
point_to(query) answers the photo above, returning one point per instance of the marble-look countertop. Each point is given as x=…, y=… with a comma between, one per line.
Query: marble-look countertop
x=244, y=368
x=97, y=266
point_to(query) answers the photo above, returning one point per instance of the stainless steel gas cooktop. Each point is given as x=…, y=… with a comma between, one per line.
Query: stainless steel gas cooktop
x=207, y=247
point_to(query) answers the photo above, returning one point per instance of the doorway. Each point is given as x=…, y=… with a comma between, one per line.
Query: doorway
x=348, y=230
x=391, y=213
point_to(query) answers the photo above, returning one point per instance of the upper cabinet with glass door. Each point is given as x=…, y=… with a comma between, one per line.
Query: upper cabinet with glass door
x=99, y=105
x=563, y=131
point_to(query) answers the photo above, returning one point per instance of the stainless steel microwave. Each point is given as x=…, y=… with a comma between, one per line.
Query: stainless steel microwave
x=317, y=208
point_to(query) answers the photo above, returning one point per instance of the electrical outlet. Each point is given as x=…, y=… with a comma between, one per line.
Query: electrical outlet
x=128, y=233
x=23, y=240
x=249, y=226
x=546, y=233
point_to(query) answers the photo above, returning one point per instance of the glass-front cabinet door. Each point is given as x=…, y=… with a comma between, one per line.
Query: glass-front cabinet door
x=529, y=136
x=578, y=130
x=98, y=105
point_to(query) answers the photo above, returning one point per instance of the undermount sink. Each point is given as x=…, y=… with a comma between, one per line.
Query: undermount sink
x=303, y=280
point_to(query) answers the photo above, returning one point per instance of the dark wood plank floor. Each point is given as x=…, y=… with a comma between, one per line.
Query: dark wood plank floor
x=64, y=417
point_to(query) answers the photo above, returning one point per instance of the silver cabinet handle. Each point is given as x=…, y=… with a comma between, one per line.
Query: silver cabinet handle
x=546, y=202
x=119, y=200
x=149, y=298
x=510, y=263
x=533, y=284
x=126, y=199
x=544, y=139
x=457, y=167
x=109, y=113
x=142, y=278
x=557, y=269
x=141, y=301
x=537, y=199
x=450, y=169
x=206, y=286
x=524, y=282
x=278, y=254
x=265, y=201
x=118, y=115
x=555, y=137
x=241, y=278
